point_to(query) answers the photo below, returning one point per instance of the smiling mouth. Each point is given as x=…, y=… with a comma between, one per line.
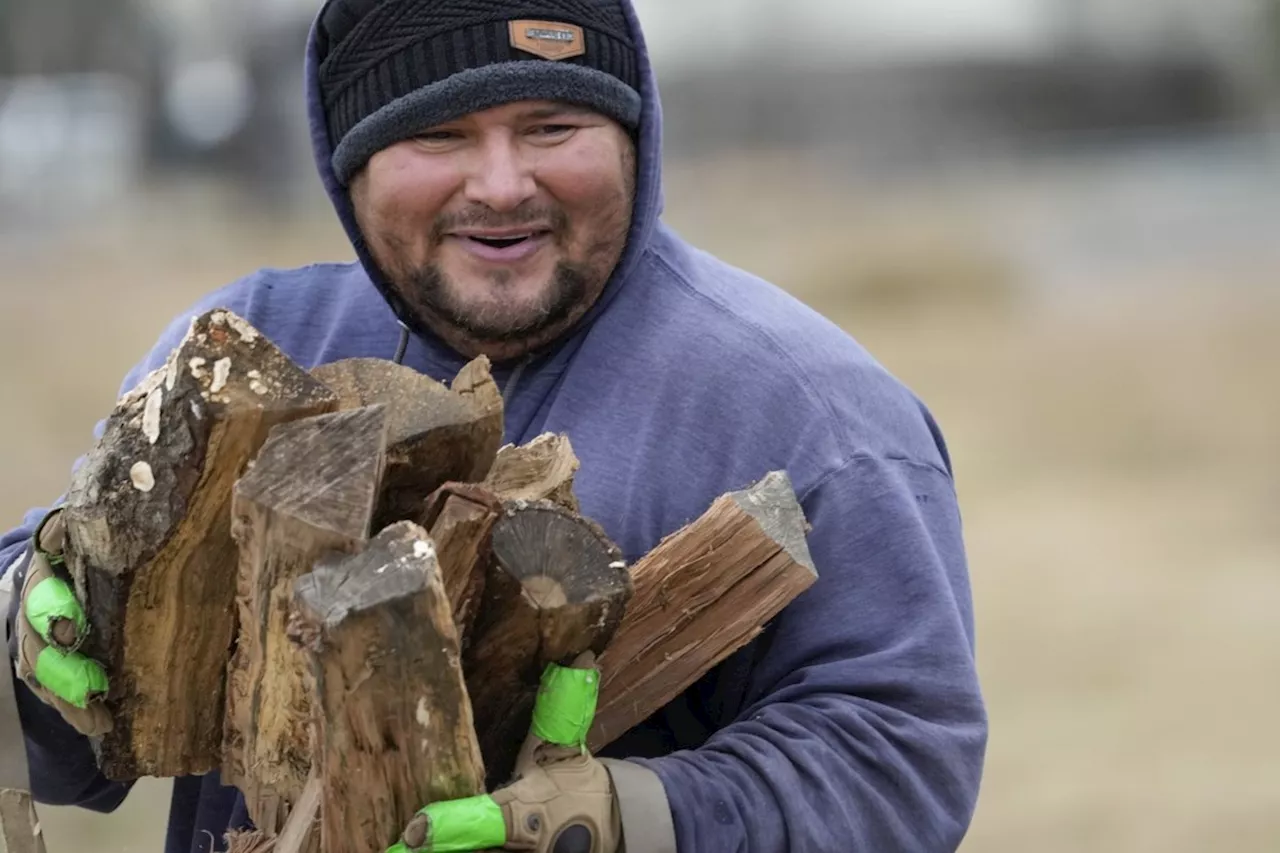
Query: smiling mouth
x=501, y=242
x=506, y=241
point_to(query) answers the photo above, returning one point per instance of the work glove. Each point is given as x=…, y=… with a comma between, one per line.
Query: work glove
x=51, y=626
x=562, y=799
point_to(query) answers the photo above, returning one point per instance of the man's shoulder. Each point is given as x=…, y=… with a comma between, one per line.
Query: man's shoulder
x=314, y=313
x=763, y=347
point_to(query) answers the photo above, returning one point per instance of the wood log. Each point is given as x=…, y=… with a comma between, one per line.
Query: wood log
x=19, y=827
x=701, y=594
x=394, y=723
x=310, y=492
x=460, y=517
x=149, y=538
x=557, y=587
x=543, y=469
x=434, y=434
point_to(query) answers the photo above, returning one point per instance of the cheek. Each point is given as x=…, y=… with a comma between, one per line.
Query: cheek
x=405, y=194
x=590, y=183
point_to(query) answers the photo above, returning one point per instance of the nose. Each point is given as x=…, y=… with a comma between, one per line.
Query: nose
x=501, y=178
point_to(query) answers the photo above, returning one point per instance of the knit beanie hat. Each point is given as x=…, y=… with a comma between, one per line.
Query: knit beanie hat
x=390, y=69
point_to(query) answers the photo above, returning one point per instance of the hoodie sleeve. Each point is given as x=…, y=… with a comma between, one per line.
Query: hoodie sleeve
x=862, y=727
x=64, y=770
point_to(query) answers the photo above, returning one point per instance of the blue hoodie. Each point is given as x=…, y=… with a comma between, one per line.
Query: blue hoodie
x=855, y=721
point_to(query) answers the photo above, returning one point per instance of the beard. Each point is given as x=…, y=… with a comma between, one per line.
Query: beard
x=430, y=293
x=499, y=318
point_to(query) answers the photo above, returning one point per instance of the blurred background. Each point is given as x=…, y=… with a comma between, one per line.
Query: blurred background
x=1057, y=220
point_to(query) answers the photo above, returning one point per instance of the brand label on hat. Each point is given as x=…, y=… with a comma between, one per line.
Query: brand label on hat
x=548, y=39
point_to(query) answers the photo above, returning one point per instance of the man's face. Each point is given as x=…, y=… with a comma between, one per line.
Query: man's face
x=501, y=229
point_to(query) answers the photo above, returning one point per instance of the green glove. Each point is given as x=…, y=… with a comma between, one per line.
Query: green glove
x=51, y=627
x=562, y=799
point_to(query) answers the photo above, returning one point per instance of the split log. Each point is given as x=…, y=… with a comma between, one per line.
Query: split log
x=700, y=595
x=460, y=517
x=557, y=587
x=149, y=538
x=19, y=827
x=394, y=724
x=434, y=434
x=310, y=492
x=543, y=469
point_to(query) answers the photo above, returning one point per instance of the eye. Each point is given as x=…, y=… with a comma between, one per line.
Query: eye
x=552, y=130
x=438, y=136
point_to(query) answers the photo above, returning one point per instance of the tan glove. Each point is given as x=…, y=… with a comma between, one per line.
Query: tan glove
x=51, y=626
x=562, y=799
x=561, y=802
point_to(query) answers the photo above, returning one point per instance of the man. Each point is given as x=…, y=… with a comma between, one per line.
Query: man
x=496, y=164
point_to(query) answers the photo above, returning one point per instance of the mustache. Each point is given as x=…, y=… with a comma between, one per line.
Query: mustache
x=481, y=216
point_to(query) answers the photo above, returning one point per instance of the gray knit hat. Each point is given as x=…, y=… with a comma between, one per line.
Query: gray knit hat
x=392, y=68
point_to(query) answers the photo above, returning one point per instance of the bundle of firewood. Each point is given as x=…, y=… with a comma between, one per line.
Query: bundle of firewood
x=336, y=588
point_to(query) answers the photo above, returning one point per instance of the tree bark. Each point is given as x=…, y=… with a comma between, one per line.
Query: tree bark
x=435, y=434
x=310, y=492
x=703, y=593
x=556, y=588
x=394, y=723
x=149, y=538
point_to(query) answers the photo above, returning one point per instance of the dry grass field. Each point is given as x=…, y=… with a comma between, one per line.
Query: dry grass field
x=1117, y=454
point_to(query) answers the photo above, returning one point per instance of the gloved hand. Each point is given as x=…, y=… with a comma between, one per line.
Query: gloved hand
x=51, y=626
x=562, y=799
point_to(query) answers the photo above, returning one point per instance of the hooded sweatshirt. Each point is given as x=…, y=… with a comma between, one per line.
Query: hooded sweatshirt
x=855, y=721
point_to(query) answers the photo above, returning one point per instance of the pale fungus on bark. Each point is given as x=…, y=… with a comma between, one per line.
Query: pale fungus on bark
x=142, y=477
x=221, y=373
x=151, y=415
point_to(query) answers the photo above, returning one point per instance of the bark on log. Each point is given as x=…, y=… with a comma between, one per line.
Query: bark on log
x=149, y=538
x=556, y=588
x=543, y=469
x=435, y=434
x=394, y=723
x=703, y=593
x=310, y=492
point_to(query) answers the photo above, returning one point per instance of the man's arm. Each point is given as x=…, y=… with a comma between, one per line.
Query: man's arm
x=862, y=727
x=63, y=768
x=64, y=771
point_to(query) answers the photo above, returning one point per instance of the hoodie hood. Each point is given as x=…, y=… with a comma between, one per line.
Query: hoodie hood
x=645, y=216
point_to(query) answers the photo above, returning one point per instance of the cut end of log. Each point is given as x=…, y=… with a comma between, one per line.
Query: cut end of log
x=772, y=503
x=559, y=559
x=397, y=563
x=434, y=435
x=322, y=471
